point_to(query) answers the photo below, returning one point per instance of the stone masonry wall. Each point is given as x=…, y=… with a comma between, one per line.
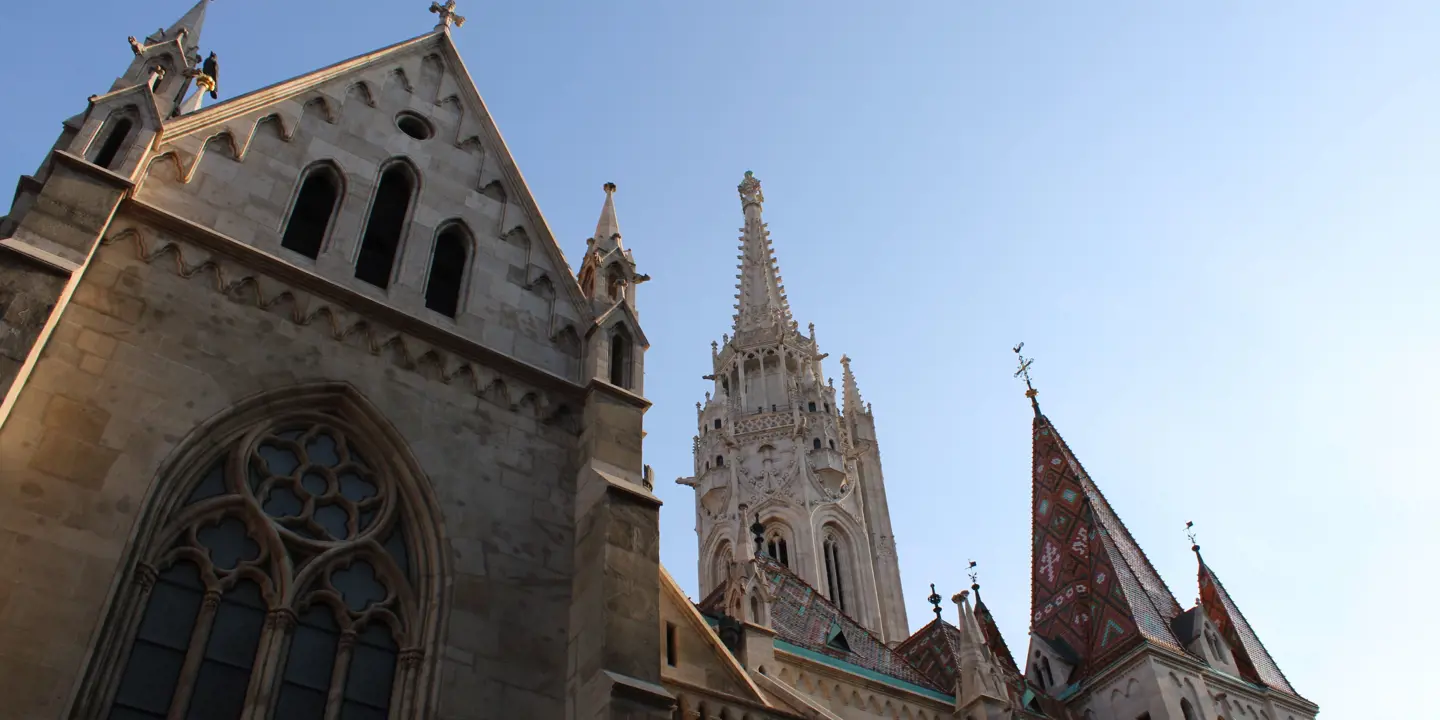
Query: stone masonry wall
x=144, y=354
x=27, y=294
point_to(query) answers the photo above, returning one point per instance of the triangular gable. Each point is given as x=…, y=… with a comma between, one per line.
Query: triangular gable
x=1251, y=657
x=1092, y=588
x=698, y=633
x=622, y=312
x=240, y=116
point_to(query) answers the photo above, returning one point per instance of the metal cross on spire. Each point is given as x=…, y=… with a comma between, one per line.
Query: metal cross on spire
x=1024, y=372
x=447, y=15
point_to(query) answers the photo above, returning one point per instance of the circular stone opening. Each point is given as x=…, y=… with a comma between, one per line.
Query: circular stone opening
x=414, y=126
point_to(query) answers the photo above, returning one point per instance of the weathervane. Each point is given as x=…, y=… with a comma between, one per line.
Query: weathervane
x=1190, y=533
x=974, y=574
x=935, y=600
x=1024, y=372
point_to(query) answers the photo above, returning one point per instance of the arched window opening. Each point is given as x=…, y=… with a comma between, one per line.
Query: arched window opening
x=385, y=226
x=717, y=423
x=817, y=443
x=827, y=407
x=1047, y=677
x=834, y=571
x=719, y=461
x=778, y=549
x=302, y=501
x=447, y=271
x=812, y=407
x=755, y=609
x=109, y=151
x=832, y=444
x=1187, y=709
x=620, y=358
x=315, y=205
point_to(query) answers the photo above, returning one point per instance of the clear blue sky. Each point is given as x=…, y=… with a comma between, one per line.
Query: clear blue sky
x=1214, y=224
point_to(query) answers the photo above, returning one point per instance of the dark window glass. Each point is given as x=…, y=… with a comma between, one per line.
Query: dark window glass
x=358, y=585
x=309, y=666
x=717, y=423
x=212, y=485
x=385, y=226
x=619, y=360
x=447, y=271
x=110, y=150
x=817, y=443
x=225, y=672
x=229, y=543
x=316, y=202
x=372, y=672
x=812, y=407
x=151, y=673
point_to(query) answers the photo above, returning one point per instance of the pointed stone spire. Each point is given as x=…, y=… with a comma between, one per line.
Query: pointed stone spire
x=190, y=24
x=990, y=630
x=760, y=296
x=1093, y=593
x=853, y=402
x=1251, y=657
x=979, y=677
x=607, y=231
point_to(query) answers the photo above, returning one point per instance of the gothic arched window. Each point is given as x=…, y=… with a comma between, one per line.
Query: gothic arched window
x=1045, y=673
x=817, y=443
x=386, y=225
x=621, y=356
x=447, y=270
x=1187, y=709
x=282, y=565
x=315, y=206
x=777, y=548
x=115, y=131
x=835, y=570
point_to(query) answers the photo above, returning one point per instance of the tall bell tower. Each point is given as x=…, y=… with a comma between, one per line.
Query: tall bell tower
x=773, y=447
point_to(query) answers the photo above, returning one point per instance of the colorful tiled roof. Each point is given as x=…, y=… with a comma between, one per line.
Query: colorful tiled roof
x=1251, y=657
x=934, y=650
x=1092, y=590
x=803, y=617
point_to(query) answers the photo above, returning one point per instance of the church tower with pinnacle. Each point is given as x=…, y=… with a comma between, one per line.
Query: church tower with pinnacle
x=776, y=458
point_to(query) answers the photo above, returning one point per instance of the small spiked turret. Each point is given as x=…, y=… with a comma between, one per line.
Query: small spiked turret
x=1251, y=657
x=853, y=402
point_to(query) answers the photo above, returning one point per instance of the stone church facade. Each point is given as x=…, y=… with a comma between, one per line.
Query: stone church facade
x=306, y=415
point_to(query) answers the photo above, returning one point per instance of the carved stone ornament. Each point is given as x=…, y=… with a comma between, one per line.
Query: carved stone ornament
x=750, y=190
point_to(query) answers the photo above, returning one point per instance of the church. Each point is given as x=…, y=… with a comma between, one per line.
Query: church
x=306, y=415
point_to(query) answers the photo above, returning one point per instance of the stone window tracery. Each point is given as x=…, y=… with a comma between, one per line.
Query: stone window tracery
x=834, y=570
x=284, y=575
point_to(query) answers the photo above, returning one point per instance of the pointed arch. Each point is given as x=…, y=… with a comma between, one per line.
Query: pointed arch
x=312, y=212
x=839, y=558
x=111, y=144
x=210, y=603
x=390, y=209
x=622, y=356
x=449, y=267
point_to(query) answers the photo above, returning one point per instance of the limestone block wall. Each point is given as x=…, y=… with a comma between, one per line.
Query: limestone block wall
x=165, y=331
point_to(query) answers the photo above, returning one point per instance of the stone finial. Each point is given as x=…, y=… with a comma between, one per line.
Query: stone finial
x=750, y=190
x=935, y=600
x=960, y=597
x=447, y=15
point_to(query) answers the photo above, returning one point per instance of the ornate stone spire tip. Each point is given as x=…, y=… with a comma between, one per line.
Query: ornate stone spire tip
x=750, y=190
x=610, y=187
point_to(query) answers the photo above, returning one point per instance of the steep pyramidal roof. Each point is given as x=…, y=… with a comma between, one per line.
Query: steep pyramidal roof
x=607, y=230
x=1093, y=591
x=190, y=23
x=760, y=297
x=851, y=389
x=991, y=631
x=1251, y=657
